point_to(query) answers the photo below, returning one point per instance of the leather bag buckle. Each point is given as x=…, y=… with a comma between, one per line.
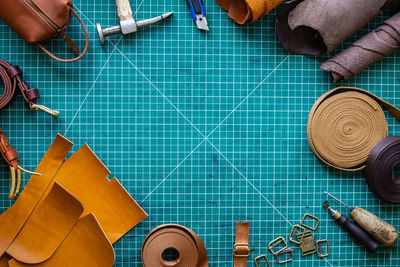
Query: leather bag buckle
x=236, y=251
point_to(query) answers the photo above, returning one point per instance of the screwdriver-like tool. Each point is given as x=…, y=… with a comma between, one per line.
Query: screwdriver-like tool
x=198, y=13
x=355, y=231
x=385, y=233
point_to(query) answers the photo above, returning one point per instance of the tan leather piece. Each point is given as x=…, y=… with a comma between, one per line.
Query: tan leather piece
x=243, y=11
x=13, y=219
x=85, y=177
x=47, y=227
x=4, y=260
x=241, y=237
x=345, y=124
x=190, y=247
x=86, y=245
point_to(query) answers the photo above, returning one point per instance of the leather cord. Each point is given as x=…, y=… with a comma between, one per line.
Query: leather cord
x=383, y=157
x=241, y=249
x=173, y=237
x=345, y=124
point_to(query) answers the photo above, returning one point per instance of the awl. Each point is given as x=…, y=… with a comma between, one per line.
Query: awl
x=198, y=13
x=385, y=233
x=355, y=231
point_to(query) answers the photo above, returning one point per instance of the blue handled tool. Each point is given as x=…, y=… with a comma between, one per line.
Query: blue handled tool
x=198, y=13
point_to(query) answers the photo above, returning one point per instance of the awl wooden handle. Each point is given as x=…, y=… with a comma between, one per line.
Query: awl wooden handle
x=124, y=9
x=385, y=233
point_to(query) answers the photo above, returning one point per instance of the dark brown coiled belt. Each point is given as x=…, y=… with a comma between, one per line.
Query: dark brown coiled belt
x=12, y=78
x=379, y=169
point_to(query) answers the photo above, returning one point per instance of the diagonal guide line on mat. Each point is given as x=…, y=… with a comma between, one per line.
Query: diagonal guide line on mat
x=194, y=126
x=91, y=89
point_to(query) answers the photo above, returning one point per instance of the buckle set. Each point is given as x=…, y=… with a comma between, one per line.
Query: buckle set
x=11, y=156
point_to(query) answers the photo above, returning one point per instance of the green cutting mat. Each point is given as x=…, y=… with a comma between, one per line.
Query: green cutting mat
x=202, y=129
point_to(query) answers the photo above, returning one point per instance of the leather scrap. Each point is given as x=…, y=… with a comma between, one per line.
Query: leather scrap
x=190, y=247
x=345, y=124
x=85, y=177
x=4, y=260
x=368, y=50
x=379, y=171
x=317, y=27
x=47, y=227
x=13, y=219
x=86, y=245
x=243, y=11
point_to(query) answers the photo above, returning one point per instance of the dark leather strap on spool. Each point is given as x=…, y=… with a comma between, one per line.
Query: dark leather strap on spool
x=189, y=247
x=379, y=170
x=12, y=78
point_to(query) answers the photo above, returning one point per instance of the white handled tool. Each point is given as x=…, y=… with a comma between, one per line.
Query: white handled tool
x=127, y=23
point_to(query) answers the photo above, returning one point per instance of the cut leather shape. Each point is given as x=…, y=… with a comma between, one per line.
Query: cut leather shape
x=243, y=11
x=345, y=124
x=379, y=171
x=86, y=245
x=381, y=42
x=317, y=27
x=4, y=260
x=190, y=248
x=85, y=177
x=47, y=227
x=13, y=219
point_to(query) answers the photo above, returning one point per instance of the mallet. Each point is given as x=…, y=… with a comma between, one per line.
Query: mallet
x=127, y=23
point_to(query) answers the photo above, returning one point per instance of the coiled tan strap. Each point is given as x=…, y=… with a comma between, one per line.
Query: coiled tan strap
x=345, y=124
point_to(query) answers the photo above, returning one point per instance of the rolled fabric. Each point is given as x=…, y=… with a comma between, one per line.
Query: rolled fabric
x=243, y=11
x=368, y=50
x=317, y=27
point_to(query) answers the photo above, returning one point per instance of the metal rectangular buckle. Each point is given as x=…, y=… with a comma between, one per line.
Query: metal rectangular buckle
x=307, y=245
x=241, y=245
x=319, y=248
x=286, y=251
x=275, y=243
x=307, y=226
x=257, y=260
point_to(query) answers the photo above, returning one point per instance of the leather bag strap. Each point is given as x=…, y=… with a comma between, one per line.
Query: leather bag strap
x=241, y=249
x=70, y=43
x=345, y=124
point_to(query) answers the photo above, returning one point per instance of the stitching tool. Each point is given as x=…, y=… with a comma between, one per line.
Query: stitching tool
x=355, y=231
x=127, y=23
x=383, y=232
x=198, y=13
x=11, y=155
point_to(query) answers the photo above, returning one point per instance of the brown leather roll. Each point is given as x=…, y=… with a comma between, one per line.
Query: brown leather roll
x=381, y=161
x=317, y=27
x=345, y=124
x=381, y=42
x=173, y=239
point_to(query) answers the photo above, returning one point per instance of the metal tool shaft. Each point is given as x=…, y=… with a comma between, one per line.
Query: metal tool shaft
x=338, y=200
x=147, y=22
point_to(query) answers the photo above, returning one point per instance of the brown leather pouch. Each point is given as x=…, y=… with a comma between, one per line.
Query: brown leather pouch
x=38, y=21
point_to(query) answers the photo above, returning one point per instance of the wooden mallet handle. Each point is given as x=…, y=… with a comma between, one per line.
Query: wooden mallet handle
x=124, y=9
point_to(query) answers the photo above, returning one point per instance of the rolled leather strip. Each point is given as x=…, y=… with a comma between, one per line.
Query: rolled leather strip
x=368, y=50
x=345, y=124
x=383, y=157
x=188, y=247
x=317, y=27
x=243, y=11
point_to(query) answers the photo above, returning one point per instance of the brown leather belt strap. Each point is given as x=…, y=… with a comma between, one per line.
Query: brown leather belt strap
x=12, y=77
x=345, y=124
x=241, y=249
x=175, y=246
